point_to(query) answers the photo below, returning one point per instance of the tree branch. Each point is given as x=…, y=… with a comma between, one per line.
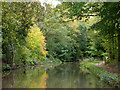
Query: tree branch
x=77, y=18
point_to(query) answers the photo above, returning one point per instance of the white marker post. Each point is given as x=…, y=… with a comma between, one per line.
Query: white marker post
x=106, y=59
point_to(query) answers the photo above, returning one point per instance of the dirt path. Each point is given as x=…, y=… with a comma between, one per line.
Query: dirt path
x=98, y=64
x=107, y=67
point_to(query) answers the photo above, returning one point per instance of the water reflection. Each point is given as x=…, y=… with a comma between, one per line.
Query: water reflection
x=66, y=75
x=26, y=78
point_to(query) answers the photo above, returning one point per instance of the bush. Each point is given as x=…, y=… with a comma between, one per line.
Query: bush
x=6, y=67
x=33, y=51
x=36, y=44
x=92, y=59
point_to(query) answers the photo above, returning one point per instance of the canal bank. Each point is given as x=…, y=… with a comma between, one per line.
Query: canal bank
x=110, y=78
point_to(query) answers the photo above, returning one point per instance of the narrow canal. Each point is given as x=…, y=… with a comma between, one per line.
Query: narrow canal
x=66, y=75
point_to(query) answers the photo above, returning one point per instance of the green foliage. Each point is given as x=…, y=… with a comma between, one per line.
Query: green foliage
x=34, y=51
x=92, y=59
x=103, y=18
x=105, y=76
x=96, y=61
x=95, y=46
x=51, y=60
x=36, y=44
x=16, y=21
x=109, y=29
x=22, y=55
x=95, y=35
x=58, y=42
x=6, y=67
x=63, y=42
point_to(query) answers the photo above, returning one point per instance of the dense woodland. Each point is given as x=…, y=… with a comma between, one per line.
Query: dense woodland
x=72, y=31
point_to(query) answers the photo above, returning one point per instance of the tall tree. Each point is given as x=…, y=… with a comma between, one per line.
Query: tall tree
x=108, y=11
x=16, y=21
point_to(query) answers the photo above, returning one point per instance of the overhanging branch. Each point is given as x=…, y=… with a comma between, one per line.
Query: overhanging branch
x=78, y=17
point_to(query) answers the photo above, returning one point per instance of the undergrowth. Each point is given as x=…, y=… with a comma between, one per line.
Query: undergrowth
x=105, y=76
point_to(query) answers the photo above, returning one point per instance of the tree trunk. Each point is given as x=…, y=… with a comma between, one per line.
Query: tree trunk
x=118, y=31
x=13, y=63
x=118, y=49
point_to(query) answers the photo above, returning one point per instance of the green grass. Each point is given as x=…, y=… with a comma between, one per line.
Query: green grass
x=111, y=78
x=96, y=61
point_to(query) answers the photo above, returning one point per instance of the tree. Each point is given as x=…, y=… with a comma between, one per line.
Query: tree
x=16, y=21
x=108, y=24
x=36, y=43
x=62, y=39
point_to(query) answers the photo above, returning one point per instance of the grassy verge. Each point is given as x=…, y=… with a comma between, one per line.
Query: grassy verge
x=96, y=61
x=105, y=76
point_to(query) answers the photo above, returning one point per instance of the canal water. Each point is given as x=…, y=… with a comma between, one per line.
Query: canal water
x=65, y=75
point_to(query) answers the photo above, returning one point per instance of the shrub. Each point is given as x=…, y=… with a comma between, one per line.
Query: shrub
x=36, y=44
x=6, y=67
